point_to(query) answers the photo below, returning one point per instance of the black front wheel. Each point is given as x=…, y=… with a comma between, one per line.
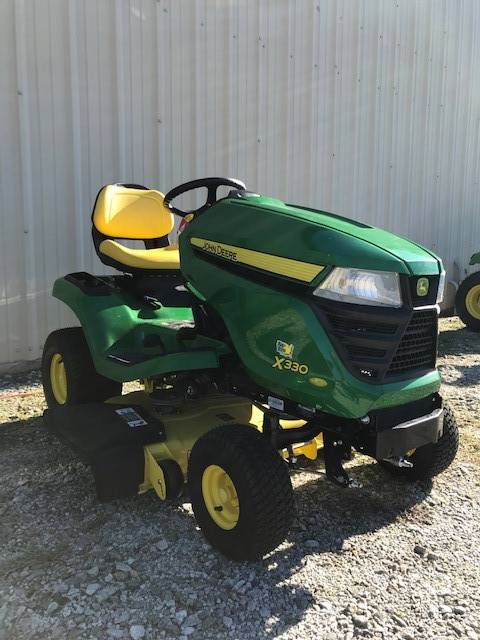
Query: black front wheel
x=241, y=492
x=68, y=373
x=431, y=459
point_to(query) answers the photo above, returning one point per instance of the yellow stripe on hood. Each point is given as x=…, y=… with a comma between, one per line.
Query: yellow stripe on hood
x=304, y=271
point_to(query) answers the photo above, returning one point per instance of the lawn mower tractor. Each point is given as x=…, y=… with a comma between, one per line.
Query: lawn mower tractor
x=467, y=299
x=272, y=331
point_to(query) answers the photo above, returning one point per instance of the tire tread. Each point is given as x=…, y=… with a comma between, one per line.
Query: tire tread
x=265, y=474
x=84, y=383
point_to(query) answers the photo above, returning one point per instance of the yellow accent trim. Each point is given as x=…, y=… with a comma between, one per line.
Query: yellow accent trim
x=197, y=417
x=121, y=212
x=284, y=364
x=308, y=449
x=163, y=258
x=58, y=378
x=154, y=476
x=220, y=497
x=472, y=301
x=292, y=424
x=304, y=271
x=318, y=382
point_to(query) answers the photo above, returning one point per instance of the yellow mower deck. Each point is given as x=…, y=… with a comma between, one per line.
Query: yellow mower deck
x=195, y=418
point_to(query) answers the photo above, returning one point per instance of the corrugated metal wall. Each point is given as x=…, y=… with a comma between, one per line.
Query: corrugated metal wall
x=365, y=108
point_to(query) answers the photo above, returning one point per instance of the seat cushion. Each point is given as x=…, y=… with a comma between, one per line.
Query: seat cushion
x=126, y=212
x=162, y=258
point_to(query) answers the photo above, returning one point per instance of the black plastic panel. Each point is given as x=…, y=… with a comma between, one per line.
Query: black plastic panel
x=110, y=438
x=418, y=346
x=380, y=344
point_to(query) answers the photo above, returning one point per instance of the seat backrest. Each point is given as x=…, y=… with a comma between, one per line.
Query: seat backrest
x=124, y=211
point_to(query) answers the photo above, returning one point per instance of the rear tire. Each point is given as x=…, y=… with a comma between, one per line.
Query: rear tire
x=238, y=463
x=467, y=301
x=174, y=480
x=68, y=373
x=431, y=459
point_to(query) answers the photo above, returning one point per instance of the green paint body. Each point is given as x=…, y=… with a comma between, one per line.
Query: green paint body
x=256, y=315
x=266, y=224
x=475, y=259
x=117, y=324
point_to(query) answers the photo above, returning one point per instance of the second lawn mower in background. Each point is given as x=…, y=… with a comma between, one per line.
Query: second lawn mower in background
x=467, y=299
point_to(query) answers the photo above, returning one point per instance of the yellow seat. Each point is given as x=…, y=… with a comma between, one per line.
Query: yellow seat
x=161, y=258
x=132, y=212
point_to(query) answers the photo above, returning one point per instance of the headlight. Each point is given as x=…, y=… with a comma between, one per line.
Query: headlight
x=441, y=287
x=379, y=288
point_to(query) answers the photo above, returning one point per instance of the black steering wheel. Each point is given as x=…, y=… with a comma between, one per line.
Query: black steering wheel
x=211, y=184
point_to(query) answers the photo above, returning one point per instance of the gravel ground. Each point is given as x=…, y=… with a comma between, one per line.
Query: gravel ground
x=384, y=560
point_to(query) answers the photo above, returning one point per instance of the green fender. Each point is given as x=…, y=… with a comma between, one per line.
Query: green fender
x=118, y=327
x=475, y=259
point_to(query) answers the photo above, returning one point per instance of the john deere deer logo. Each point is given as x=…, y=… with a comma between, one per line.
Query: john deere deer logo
x=422, y=286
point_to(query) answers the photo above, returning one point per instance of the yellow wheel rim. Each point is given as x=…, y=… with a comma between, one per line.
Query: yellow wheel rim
x=472, y=301
x=58, y=378
x=220, y=497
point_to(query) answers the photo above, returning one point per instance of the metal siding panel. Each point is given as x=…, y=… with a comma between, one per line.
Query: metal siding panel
x=31, y=204
x=13, y=327
x=76, y=78
x=367, y=108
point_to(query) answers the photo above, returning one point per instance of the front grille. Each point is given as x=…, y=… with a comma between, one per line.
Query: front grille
x=418, y=346
x=342, y=324
x=365, y=341
x=381, y=345
x=364, y=352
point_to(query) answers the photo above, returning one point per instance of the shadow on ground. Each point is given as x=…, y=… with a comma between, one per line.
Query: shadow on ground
x=47, y=498
x=456, y=341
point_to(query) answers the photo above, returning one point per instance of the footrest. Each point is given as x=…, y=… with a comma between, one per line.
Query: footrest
x=110, y=438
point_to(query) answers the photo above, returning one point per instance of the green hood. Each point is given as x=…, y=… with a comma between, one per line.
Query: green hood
x=329, y=239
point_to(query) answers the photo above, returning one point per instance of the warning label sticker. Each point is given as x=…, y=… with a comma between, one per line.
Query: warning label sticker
x=131, y=417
